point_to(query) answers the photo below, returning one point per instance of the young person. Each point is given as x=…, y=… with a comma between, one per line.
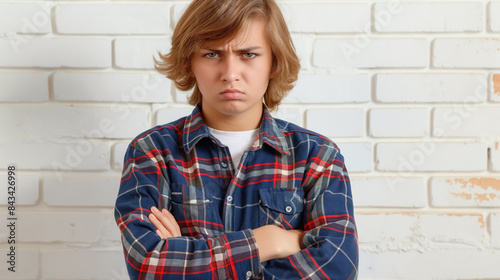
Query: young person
x=229, y=192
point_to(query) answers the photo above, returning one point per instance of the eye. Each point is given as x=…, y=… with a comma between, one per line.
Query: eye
x=210, y=55
x=249, y=55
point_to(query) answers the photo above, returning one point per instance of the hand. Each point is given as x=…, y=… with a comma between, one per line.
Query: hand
x=165, y=223
x=277, y=243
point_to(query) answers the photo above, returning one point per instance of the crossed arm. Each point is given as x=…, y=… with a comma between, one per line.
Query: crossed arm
x=273, y=242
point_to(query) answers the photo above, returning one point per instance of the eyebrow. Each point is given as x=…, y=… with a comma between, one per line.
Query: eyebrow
x=249, y=49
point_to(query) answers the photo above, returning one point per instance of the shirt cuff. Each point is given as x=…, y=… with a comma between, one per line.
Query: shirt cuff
x=243, y=254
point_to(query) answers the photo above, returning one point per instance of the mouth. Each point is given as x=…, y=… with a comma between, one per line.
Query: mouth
x=232, y=94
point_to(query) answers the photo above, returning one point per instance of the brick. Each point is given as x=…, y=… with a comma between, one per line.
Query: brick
x=115, y=121
x=178, y=11
x=346, y=122
x=465, y=192
x=477, y=53
x=289, y=114
x=111, y=87
x=24, y=86
x=495, y=87
x=302, y=44
x=495, y=157
x=59, y=157
x=429, y=17
x=431, y=156
x=57, y=52
x=118, y=155
x=467, y=120
x=27, y=265
x=89, y=189
x=494, y=9
x=431, y=88
x=170, y=114
x=112, y=18
x=139, y=53
x=328, y=17
x=399, y=122
x=466, y=263
x=365, y=52
x=389, y=192
x=27, y=189
x=182, y=96
x=358, y=157
x=68, y=264
x=495, y=228
x=28, y=18
x=412, y=227
x=77, y=227
x=330, y=89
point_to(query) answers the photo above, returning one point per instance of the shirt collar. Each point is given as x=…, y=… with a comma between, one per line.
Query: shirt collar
x=270, y=134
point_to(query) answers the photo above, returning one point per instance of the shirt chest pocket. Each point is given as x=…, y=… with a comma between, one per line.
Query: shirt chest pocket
x=194, y=211
x=281, y=207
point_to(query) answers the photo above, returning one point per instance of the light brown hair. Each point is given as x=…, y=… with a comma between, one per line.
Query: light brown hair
x=213, y=20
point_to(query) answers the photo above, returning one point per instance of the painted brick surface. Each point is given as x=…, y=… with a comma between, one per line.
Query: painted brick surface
x=421, y=228
x=57, y=52
x=495, y=228
x=409, y=91
x=328, y=17
x=33, y=18
x=27, y=189
x=431, y=88
x=116, y=121
x=112, y=19
x=24, y=86
x=330, y=89
x=494, y=9
x=465, y=192
x=27, y=266
x=466, y=121
x=399, y=122
x=466, y=53
x=81, y=190
x=139, y=53
x=370, y=53
x=111, y=87
x=495, y=156
x=495, y=87
x=429, y=156
x=389, y=192
x=429, y=17
x=353, y=122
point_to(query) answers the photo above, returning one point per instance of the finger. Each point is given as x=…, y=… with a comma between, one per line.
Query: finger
x=168, y=222
x=159, y=227
x=174, y=227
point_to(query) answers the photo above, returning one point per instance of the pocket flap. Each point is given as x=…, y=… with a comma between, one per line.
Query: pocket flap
x=286, y=201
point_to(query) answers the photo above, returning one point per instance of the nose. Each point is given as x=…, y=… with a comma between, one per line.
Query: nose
x=230, y=69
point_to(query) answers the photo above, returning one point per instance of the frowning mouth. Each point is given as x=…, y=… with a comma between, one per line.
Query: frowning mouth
x=232, y=94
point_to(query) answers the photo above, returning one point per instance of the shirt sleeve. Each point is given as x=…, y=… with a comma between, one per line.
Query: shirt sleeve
x=329, y=243
x=230, y=256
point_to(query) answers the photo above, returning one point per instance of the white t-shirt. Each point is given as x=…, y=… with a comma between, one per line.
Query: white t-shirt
x=237, y=141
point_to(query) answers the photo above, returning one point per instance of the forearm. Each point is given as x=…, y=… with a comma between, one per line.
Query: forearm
x=276, y=243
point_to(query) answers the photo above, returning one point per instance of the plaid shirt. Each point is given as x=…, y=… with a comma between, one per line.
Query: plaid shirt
x=290, y=177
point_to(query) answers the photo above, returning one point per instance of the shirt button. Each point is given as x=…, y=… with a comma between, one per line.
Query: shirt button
x=288, y=209
x=249, y=274
x=229, y=198
x=224, y=164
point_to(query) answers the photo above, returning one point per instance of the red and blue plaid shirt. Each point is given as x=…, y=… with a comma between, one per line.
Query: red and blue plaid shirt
x=290, y=177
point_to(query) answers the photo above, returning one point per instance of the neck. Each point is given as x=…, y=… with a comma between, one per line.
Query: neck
x=239, y=122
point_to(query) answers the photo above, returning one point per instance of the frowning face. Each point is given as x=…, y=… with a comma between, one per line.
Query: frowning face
x=233, y=78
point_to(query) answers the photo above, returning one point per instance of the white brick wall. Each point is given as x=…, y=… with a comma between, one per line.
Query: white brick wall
x=411, y=90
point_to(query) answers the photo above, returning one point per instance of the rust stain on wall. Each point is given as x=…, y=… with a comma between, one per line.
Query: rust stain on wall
x=478, y=189
x=483, y=183
x=496, y=84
